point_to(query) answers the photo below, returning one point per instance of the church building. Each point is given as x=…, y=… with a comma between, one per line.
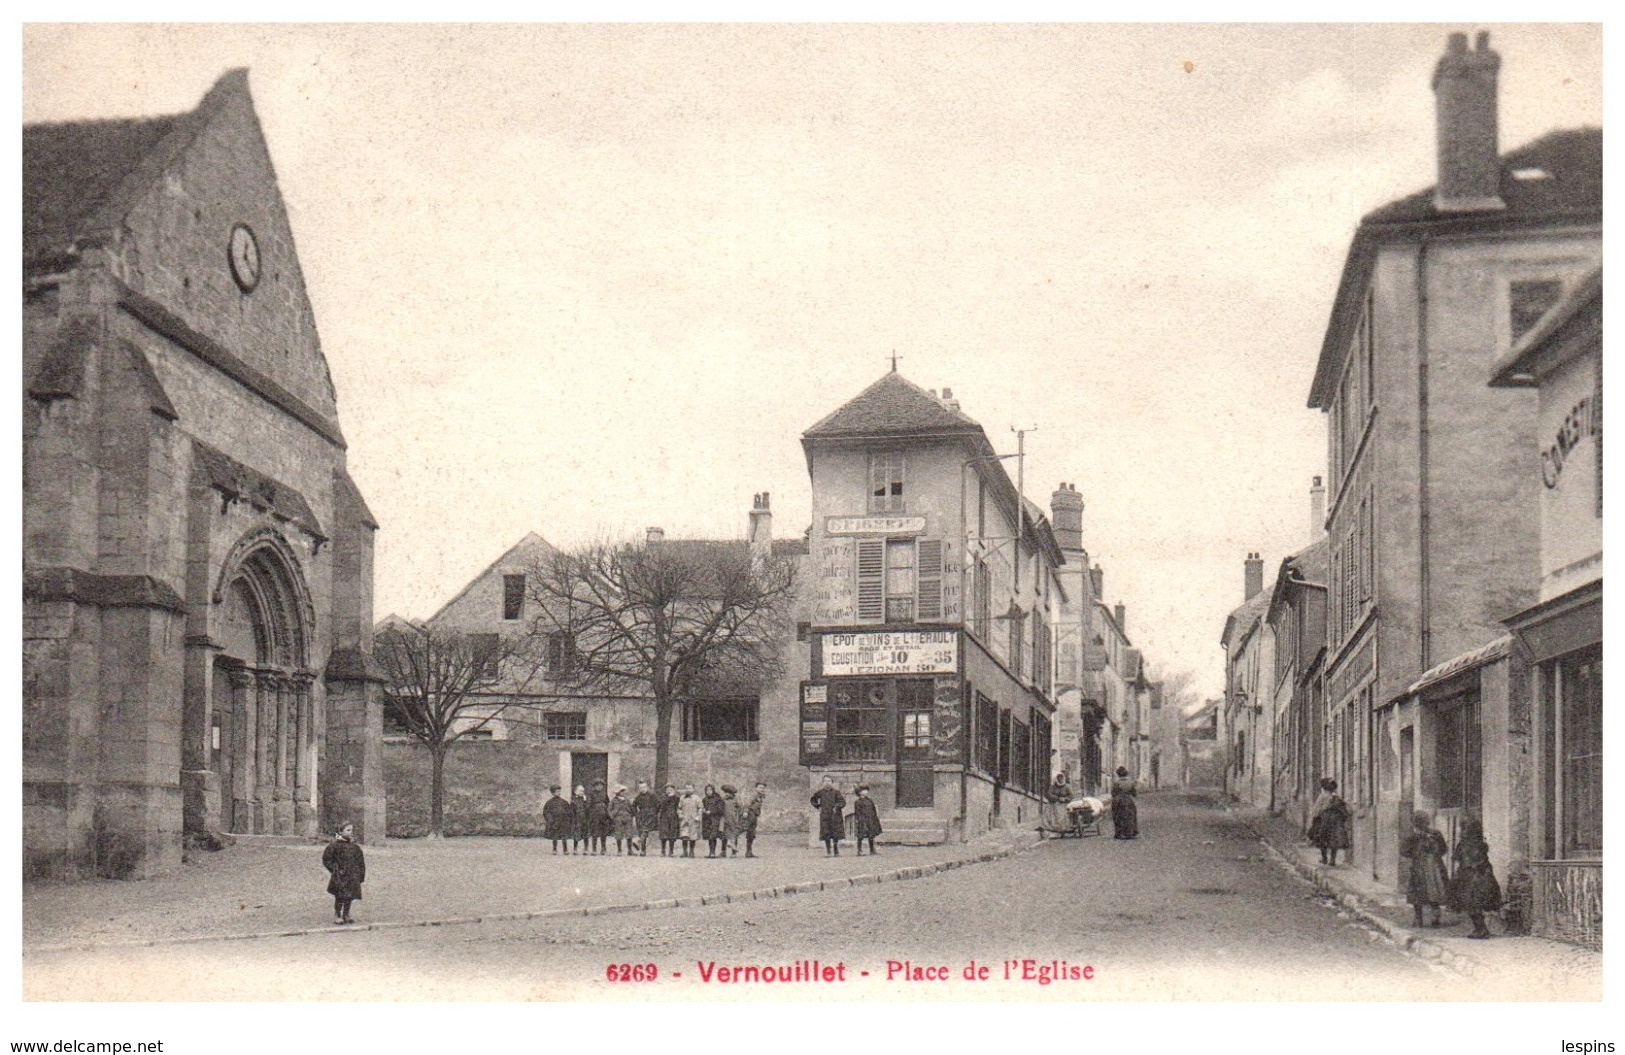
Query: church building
x=197, y=593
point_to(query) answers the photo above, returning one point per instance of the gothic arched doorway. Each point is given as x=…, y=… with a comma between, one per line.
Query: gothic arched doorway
x=263, y=737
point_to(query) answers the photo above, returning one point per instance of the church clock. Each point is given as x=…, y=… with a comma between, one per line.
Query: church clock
x=244, y=254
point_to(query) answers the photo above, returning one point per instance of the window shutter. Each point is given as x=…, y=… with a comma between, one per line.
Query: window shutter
x=871, y=580
x=929, y=560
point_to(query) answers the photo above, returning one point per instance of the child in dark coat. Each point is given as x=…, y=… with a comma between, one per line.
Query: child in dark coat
x=865, y=819
x=623, y=822
x=671, y=821
x=1425, y=848
x=712, y=809
x=1473, y=889
x=599, y=823
x=558, y=819
x=751, y=814
x=578, y=831
x=646, y=813
x=829, y=802
x=347, y=869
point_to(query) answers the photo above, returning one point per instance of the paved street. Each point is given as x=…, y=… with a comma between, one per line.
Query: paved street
x=1196, y=909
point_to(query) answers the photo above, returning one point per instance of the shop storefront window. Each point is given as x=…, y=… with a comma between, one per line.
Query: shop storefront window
x=987, y=734
x=1571, y=755
x=859, y=721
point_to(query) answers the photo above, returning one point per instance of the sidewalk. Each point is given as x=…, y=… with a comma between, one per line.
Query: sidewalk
x=257, y=890
x=1540, y=963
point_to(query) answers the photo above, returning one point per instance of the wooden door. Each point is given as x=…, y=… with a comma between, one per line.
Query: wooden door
x=588, y=766
x=915, y=779
x=222, y=758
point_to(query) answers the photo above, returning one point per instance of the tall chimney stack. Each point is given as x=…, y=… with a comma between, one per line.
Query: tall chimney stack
x=1317, y=509
x=1121, y=615
x=1464, y=100
x=654, y=535
x=1066, y=517
x=761, y=522
x=1097, y=576
x=1254, y=575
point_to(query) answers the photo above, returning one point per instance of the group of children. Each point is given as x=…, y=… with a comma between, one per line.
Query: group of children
x=1472, y=891
x=585, y=823
x=831, y=804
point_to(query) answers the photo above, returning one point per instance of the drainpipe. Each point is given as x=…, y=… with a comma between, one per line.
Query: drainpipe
x=1423, y=498
x=1423, y=505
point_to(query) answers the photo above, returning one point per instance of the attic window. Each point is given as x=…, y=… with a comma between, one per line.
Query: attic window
x=886, y=471
x=1528, y=300
x=1530, y=174
x=513, y=597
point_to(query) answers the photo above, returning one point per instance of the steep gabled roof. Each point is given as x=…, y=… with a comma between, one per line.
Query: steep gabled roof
x=1244, y=619
x=1305, y=569
x=893, y=406
x=1555, y=179
x=81, y=177
x=531, y=542
x=72, y=170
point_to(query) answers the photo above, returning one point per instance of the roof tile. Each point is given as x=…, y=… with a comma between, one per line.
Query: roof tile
x=893, y=405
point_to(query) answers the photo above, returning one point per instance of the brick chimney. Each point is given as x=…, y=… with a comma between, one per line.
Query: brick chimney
x=1464, y=99
x=761, y=522
x=1121, y=615
x=654, y=535
x=948, y=399
x=1066, y=517
x=1254, y=575
x=1317, y=509
x=1097, y=576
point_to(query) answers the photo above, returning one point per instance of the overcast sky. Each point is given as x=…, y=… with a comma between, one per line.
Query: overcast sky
x=582, y=280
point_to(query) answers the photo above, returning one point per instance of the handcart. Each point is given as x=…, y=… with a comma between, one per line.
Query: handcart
x=1080, y=819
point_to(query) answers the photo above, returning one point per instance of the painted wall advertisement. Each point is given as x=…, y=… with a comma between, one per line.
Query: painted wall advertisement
x=894, y=652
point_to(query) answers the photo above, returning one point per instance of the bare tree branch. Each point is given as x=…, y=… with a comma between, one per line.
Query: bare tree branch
x=446, y=683
x=665, y=620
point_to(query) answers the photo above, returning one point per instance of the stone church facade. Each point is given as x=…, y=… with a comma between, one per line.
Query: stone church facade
x=197, y=598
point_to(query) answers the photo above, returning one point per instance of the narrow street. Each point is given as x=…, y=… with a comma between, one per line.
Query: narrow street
x=1195, y=909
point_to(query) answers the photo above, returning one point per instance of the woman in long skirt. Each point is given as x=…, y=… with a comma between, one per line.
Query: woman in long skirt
x=1425, y=848
x=1125, y=810
x=1329, y=827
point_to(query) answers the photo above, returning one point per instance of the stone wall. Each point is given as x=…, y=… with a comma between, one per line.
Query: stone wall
x=498, y=787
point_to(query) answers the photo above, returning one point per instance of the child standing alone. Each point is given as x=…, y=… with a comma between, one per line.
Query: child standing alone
x=347, y=869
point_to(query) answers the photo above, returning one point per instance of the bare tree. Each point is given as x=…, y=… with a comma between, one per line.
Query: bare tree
x=446, y=683
x=664, y=619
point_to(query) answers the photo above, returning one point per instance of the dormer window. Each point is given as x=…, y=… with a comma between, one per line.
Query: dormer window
x=886, y=471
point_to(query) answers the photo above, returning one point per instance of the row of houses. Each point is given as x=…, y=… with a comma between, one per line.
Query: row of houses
x=952, y=650
x=1436, y=644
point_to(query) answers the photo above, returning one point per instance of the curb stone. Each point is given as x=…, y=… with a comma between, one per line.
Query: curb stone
x=1402, y=937
x=895, y=875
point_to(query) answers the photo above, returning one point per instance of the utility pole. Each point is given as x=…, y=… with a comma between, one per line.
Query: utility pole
x=1021, y=495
